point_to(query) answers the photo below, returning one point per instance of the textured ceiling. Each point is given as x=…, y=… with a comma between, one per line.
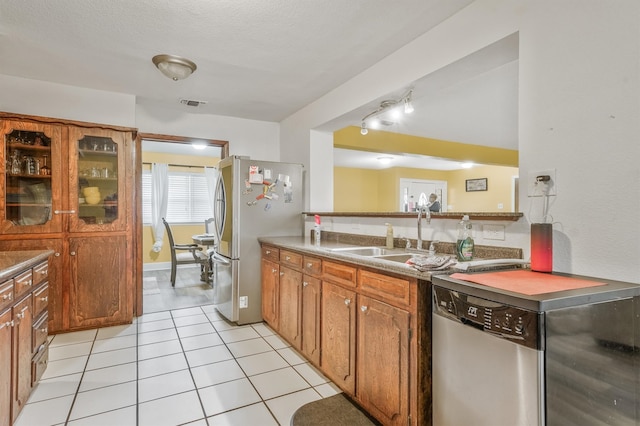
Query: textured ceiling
x=257, y=59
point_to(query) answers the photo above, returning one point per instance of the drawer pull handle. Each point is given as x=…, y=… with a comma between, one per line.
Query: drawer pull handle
x=273, y=271
x=27, y=283
x=281, y=273
x=20, y=315
x=45, y=298
x=268, y=251
x=6, y=296
x=309, y=265
x=347, y=302
x=287, y=257
x=44, y=330
x=64, y=211
x=6, y=324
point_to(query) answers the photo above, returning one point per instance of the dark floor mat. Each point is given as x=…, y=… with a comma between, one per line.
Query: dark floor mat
x=335, y=410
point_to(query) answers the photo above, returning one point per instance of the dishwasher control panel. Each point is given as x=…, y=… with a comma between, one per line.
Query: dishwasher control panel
x=515, y=324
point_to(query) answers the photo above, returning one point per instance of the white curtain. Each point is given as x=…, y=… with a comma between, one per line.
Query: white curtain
x=159, y=198
x=211, y=174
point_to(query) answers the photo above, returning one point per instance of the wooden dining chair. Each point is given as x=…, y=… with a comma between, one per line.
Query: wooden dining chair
x=182, y=254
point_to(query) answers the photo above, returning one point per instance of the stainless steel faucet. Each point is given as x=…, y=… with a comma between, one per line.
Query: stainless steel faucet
x=427, y=213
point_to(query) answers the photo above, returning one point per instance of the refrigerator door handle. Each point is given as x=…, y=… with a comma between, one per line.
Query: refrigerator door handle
x=219, y=209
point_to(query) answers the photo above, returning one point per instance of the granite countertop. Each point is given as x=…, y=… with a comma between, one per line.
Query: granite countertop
x=13, y=262
x=306, y=246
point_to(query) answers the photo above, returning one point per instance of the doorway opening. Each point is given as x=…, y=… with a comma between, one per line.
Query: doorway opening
x=188, y=202
x=414, y=192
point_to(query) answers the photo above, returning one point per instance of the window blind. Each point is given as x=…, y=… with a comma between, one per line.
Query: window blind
x=188, y=198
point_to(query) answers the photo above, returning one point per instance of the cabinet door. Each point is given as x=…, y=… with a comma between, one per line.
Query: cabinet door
x=290, y=306
x=98, y=180
x=5, y=367
x=311, y=303
x=270, y=272
x=58, y=296
x=338, y=358
x=22, y=351
x=383, y=360
x=99, y=294
x=32, y=175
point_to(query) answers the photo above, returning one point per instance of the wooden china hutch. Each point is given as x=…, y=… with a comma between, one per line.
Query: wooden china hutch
x=69, y=187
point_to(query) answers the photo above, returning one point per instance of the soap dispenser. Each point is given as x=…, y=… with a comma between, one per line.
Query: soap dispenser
x=389, y=236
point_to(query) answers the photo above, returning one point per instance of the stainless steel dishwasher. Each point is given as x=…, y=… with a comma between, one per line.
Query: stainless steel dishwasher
x=488, y=363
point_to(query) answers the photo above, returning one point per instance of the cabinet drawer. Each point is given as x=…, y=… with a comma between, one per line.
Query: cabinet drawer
x=271, y=253
x=339, y=273
x=6, y=294
x=291, y=259
x=40, y=272
x=23, y=283
x=39, y=364
x=39, y=333
x=40, y=300
x=388, y=288
x=312, y=266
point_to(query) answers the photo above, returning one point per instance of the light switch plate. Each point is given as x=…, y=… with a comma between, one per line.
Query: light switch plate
x=244, y=302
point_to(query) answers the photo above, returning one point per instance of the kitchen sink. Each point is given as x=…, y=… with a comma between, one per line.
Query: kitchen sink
x=362, y=251
x=401, y=258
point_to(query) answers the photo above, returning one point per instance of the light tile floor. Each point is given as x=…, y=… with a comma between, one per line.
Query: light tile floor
x=176, y=367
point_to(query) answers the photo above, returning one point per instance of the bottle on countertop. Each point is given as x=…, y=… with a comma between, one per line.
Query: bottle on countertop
x=389, y=235
x=316, y=230
x=465, y=246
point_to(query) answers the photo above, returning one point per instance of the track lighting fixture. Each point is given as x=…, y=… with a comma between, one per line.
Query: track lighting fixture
x=386, y=105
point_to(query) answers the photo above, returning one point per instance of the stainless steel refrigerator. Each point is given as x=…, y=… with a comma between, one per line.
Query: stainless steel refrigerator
x=253, y=198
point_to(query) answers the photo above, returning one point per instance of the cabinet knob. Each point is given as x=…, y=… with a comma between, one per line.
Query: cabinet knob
x=288, y=257
x=44, y=299
x=347, y=302
x=73, y=253
x=44, y=330
x=20, y=315
x=268, y=251
x=6, y=296
x=363, y=308
x=309, y=265
x=273, y=271
x=56, y=254
x=304, y=283
x=27, y=283
x=281, y=273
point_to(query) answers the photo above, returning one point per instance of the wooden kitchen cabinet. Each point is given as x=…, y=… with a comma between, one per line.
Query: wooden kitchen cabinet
x=338, y=359
x=98, y=291
x=6, y=347
x=290, y=306
x=311, y=318
x=270, y=272
x=72, y=192
x=362, y=327
x=383, y=360
x=23, y=333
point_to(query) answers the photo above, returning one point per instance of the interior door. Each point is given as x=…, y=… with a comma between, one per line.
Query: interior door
x=413, y=190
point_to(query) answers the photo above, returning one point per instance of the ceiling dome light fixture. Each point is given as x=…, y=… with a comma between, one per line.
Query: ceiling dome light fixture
x=174, y=67
x=385, y=106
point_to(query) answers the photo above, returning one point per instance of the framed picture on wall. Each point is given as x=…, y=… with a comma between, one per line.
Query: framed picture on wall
x=476, y=184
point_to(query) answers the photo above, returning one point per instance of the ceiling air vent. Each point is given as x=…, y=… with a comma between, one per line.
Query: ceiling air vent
x=192, y=102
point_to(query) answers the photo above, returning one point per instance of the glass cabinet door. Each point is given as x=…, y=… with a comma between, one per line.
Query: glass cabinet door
x=32, y=174
x=97, y=181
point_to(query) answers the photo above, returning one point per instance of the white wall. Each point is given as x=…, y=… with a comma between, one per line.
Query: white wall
x=578, y=114
x=33, y=97
x=257, y=139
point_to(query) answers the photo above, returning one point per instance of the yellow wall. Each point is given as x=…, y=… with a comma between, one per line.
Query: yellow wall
x=365, y=190
x=181, y=233
x=362, y=190
x=381, y=141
